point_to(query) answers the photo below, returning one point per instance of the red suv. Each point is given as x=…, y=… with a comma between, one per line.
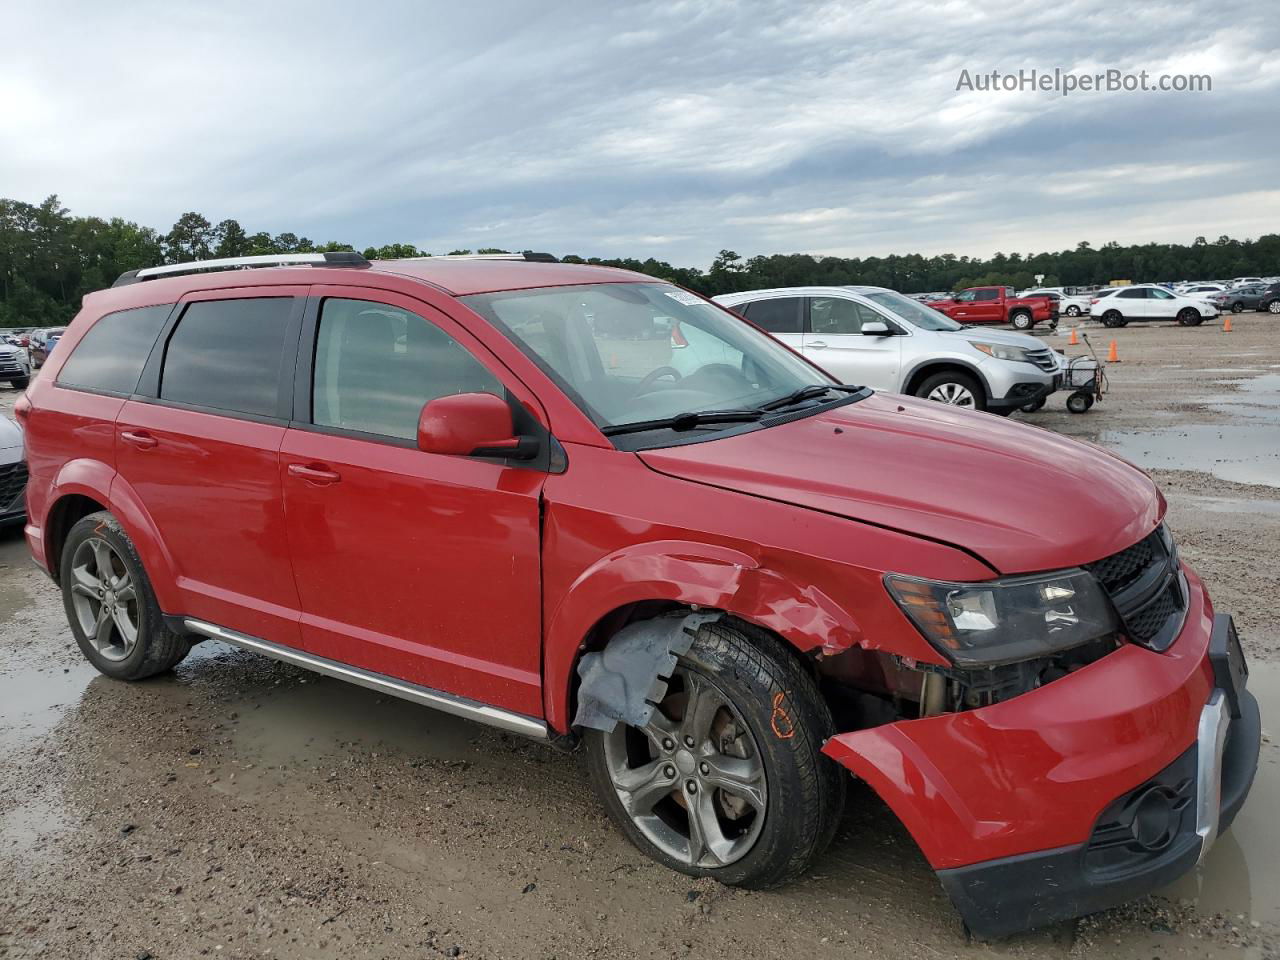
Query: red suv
x=483, y=485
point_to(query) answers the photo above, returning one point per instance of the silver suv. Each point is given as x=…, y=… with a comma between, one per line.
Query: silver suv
x=876, y=337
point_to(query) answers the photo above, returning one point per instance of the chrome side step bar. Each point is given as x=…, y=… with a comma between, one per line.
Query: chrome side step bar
x=446, y=702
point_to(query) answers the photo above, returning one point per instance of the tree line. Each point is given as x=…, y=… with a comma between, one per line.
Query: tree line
x=49, y=259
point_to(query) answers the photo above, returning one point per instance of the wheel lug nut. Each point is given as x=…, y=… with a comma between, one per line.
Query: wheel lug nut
x=668, y=744
x=705, y=768
x=669, y=772
x=692, y=786
x=688, y=742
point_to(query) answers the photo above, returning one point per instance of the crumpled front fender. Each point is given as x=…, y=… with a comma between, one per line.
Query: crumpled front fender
x=1033, y=773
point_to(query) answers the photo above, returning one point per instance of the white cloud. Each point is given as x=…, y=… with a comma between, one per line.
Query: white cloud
x=673, y=132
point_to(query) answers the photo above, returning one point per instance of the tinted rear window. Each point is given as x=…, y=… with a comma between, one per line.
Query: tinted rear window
x=226, y=354
x=780, y=315
x=110, y=356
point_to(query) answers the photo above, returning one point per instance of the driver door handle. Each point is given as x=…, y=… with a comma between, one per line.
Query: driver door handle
x=314, y=473
x=139, y=438
x=817, y=344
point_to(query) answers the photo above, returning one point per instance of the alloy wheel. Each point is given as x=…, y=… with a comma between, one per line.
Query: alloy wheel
x=692, y=780
x=956, y=394
x=105, y=599
x=1273, y=306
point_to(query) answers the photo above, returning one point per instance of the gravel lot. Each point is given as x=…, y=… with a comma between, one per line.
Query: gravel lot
x=242, y=808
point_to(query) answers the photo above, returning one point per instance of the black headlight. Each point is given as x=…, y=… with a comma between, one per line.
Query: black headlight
x=1008, y=620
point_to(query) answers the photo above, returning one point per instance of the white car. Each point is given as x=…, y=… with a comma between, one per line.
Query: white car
x=1149, y=301
x=15, y=365
x=876, y=337
x=1068, y=305
x=1198, y=289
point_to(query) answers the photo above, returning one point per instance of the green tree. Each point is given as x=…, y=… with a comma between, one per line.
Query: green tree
x=191, y=238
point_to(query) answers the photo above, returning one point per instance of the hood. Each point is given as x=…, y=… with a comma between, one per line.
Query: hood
x=10, y=434
x=1005, y=337
x=1020, y=497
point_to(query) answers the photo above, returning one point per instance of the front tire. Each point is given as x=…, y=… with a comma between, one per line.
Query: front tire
x=20, y=383
x=1237, y=307
x=728, y=779
x=954, y=388
x=1190, y=317
x=110, y=605
x=1073, y=311
x=1021, y=320
x=1273, y=307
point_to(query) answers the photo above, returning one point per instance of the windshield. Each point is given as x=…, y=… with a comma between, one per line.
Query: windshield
x=630, y=353
x=912, y=311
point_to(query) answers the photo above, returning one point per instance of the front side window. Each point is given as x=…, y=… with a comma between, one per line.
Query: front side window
x=833, y=316
x=377, y=366
x=1155, y=294
x=966, y=296
x=226, y=354
x=111, y=355
x=630, y=353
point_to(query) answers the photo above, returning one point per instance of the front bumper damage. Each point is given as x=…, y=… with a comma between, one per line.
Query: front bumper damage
x=1083, y=794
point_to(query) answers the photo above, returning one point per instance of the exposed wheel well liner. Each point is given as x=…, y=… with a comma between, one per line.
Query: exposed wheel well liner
x=62, y=517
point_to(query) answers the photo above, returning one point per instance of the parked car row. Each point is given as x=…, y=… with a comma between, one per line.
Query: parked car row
x=1263, y=297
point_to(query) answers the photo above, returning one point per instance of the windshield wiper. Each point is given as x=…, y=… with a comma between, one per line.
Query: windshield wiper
x=811, y=392
x=684, y=421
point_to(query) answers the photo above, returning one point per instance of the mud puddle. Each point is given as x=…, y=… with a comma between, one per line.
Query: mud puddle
x=1256, y=398
x=1241, y=453
x=1241, y=873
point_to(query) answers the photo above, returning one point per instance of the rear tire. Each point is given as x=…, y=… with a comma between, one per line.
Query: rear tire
x=1021, y=320
x=771, y=724
x=1237, y=307
x=110, y=605
x=1113, y=318
x=954, y=388
x=1073, y=311
x=1033, y=406
x=1273, y=307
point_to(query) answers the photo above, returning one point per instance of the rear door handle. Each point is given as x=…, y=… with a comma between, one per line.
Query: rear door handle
x=817, y=345
x=314, y=473
x=139, y=438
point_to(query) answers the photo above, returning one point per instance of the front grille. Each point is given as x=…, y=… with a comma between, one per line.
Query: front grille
x=13, y=482
x=1119, y=570
x=1044, y=359
x=1145, y=585
x=1145, y=624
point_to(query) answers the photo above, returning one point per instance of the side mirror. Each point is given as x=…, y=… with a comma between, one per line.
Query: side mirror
x=472, y=425
x=875, y=329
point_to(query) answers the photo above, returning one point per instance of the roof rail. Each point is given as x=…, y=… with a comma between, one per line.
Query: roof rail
x=341, y=258
x=528, y=256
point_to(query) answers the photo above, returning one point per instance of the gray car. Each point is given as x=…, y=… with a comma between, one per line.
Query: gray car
x=876, y=337
x=13, y=473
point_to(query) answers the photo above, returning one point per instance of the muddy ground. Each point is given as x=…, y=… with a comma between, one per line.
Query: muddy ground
x=242, y=808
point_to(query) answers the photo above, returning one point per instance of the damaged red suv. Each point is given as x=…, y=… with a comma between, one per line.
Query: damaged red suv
x=589, y=507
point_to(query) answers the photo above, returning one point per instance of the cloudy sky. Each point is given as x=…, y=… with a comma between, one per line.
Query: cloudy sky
x=670, y=130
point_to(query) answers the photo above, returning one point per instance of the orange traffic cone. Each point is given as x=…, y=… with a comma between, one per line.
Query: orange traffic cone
x=1074, y=341
x=1226, y=324
x=1113, y=355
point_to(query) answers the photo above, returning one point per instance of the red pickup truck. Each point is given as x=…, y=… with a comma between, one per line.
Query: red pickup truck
x=999, y=305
